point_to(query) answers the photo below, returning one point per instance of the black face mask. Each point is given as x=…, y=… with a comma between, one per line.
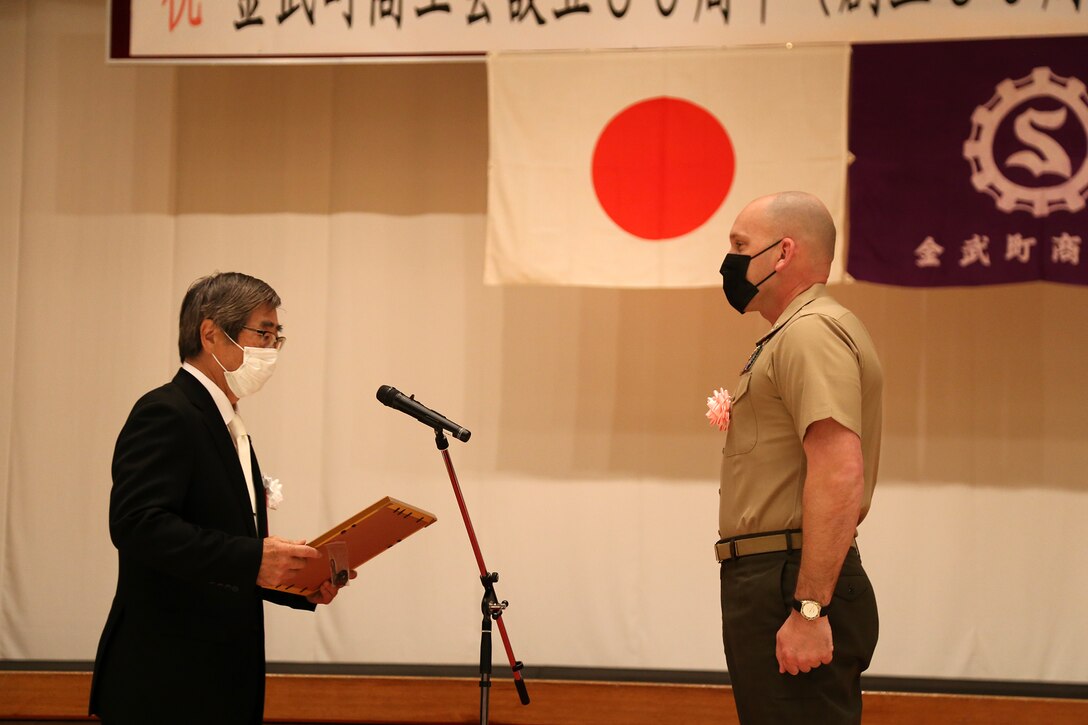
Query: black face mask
x=738, y=290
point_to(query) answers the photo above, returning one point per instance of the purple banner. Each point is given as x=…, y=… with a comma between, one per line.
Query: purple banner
x=971, y=162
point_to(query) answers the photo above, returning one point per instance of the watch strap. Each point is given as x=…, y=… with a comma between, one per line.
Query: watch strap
x=824, y=608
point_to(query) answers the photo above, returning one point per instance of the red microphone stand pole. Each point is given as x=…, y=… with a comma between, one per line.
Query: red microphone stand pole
x=490, y=606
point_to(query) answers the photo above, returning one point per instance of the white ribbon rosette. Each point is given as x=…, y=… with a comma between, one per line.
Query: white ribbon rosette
x=273, y=492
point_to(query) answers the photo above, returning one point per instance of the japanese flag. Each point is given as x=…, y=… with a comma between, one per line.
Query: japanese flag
x=627, y=168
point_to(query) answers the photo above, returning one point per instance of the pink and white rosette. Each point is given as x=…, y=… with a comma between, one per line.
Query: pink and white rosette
x=719, y=405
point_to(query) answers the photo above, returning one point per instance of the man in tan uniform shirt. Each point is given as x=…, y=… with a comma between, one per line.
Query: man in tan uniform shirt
x=799, y=618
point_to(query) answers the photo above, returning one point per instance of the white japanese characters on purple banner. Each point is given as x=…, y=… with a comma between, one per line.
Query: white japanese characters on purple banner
x=1018, y=249
x=255, y=29
x=971, y=162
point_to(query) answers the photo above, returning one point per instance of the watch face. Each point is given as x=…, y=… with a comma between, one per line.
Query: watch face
x=810, y=609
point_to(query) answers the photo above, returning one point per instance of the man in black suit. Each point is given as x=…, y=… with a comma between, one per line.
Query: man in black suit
x=184, y=640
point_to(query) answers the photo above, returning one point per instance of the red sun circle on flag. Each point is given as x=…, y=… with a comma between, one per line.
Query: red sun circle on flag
x=662, y=167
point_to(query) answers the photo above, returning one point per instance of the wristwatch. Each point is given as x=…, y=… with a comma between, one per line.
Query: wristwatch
x=810, y=609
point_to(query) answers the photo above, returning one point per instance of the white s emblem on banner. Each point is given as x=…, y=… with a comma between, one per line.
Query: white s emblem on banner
x=1057, y=187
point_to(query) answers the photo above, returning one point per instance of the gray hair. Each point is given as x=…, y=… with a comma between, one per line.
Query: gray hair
x=227, y=299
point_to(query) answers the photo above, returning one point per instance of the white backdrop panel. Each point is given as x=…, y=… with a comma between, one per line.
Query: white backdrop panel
x=359, y=193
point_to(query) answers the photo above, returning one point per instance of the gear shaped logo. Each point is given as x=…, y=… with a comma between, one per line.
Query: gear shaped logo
x=1041, y=155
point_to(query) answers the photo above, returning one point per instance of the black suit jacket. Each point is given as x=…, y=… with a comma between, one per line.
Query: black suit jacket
x=184, y=640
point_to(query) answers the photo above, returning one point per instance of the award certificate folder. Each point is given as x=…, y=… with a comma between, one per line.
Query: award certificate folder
x=366, y=534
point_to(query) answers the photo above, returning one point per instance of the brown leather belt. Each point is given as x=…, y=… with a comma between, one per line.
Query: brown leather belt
x=768, y=543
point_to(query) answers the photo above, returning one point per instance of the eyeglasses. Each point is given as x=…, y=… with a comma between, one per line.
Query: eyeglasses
x=268, y=338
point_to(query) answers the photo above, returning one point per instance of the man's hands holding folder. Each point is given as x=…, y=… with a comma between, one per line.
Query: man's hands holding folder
x=327, y=592
x=282, y=558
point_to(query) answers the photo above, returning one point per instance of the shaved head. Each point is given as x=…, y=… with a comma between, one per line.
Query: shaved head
x=804, y=217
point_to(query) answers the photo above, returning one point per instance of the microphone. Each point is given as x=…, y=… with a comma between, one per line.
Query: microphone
x=392, y=397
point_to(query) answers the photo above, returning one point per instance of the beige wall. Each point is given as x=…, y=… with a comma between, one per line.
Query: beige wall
x=359, y=193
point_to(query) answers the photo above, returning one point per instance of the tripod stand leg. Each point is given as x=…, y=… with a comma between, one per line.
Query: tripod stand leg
x=485, y=667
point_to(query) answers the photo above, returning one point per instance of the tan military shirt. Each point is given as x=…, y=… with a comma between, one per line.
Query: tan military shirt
x=816, y=362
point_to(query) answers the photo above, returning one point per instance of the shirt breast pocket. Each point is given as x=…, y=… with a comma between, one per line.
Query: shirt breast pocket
x=742, y=421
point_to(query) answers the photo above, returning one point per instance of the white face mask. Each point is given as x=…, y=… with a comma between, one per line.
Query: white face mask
x=258, y=364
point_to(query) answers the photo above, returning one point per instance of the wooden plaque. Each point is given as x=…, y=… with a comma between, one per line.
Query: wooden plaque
x=368, y=533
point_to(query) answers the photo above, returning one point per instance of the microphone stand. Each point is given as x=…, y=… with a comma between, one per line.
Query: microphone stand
x=490, y=606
